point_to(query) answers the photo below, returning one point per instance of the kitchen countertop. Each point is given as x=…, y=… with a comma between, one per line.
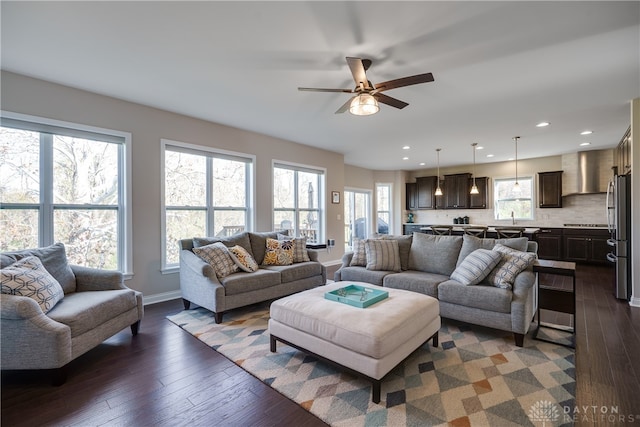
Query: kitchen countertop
x=492, y=228
x=527, y=227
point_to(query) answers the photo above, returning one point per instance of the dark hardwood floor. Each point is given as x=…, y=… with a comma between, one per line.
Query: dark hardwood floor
x=165, y=376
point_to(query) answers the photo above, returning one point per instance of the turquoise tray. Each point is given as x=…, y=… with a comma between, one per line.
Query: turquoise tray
x=357, y=296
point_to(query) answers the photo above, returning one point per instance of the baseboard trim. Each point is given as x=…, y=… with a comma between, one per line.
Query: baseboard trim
x=331, y=263
x=162, y=297
x=634, y=302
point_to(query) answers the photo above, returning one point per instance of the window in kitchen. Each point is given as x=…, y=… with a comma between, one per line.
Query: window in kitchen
x=298, y=201
x=383, y=208
x=64, y=182
x=510, y=204
x=207, y=192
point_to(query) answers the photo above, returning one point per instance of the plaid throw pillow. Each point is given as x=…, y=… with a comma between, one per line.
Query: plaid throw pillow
x=217, y=255
x=299, y=248
x=359, y=255
x=513, y=262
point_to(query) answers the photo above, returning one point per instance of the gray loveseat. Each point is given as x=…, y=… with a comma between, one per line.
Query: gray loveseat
x=200, y=285
x=427, y=263
x=95, y=306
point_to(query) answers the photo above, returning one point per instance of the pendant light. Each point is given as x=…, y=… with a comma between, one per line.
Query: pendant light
x=516, y=186
x=474, y=187
x=438, y=189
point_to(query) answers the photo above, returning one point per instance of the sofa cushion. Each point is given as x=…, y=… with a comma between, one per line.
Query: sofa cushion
x=278, y=252
x=382, y=254
x=241, y=239
x=476, y=266
x=483, y=297
x=361, y=274
x=239, y=283
x=259, y=244
x=471, y=243
x=85, y=311
x=28, y=278
x=297, y=271
x=217, y=255
x=404, y=247
x=512, y=263
x=299, y=248
x=416, y=281
x=434, y=254
x=359, y=258
x=243, y=259
x=54, y=260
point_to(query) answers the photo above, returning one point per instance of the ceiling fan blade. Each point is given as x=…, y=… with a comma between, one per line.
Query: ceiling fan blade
x=405, y=81
x=357, y=70
x=317, y=89
x=390, y=101
x=345, y=106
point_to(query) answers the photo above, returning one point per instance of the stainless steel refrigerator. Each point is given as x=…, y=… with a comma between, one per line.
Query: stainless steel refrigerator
x=619, y=223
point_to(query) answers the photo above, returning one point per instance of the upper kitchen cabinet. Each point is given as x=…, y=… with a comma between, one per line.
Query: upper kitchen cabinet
x=479, y=201
x=411, y=196
x=623, y=154
x=550, y=189
x=425, y=192
x=456, y=194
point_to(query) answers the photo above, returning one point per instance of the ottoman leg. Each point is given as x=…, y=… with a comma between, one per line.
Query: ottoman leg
x=272, y=343
x=375, y=391
x=435, y=339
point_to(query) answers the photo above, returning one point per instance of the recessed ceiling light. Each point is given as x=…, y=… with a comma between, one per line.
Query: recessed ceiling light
x=489, y=155
x=586, y=132
x=405, y=158
x=479, y=147
x=543, y=124
x=510, y=158
x=583, y=144
x=422, y=163
x=406, y=147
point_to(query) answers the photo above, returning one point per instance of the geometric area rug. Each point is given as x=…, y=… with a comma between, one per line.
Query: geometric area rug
x=475, y=377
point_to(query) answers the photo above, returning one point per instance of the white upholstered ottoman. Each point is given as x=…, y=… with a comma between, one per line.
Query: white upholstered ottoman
x=369, y=341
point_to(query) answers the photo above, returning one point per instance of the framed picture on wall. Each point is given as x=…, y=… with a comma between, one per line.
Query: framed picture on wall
x=335, y=197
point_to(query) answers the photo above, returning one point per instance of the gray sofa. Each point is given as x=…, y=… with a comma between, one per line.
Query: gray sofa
x=200, y=285
x=427, y=267
x=95, y=306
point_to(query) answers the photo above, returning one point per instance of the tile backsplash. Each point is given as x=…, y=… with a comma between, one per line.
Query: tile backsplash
x=577, y=209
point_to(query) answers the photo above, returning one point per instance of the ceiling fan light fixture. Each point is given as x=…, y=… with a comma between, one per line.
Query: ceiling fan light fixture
x=364, y=105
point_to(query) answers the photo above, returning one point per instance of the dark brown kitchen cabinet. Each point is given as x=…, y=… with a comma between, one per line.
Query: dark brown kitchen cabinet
x=550, y=189
x=581, y=245
x=456, y=192
x=478, y=201
x=549, y=243
x=425, y=189
x=410, y=193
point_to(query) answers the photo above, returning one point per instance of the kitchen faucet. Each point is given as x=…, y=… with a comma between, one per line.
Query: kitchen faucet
x=513, y=219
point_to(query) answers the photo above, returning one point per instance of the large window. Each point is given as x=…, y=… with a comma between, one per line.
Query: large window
x=383, y=208
x=512, y=204
x=206, y=193
x=66, y=183
x=357, y=216
x=298, y=201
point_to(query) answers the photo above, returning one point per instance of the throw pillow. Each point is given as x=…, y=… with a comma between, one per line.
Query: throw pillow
x=243, y=259
x=28, y=278
x=476, y=266
x=279, y=252
x=359, y=255
x=382, y=255
x=404, y=246
x=434, y=254
x=299, y=248
x=471, y=243
x=217, y=255
x=513, y=262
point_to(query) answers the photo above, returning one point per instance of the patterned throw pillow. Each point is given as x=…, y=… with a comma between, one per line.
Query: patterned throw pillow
x=243, y=259
x=28, y=278
x=382, y=255
x=217, y=255
x=299, y=248
x=476, y=266
x=359, y=255
x=279, y=252
x=513, y=263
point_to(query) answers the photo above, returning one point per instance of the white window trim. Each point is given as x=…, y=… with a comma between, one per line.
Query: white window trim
x=391, y=216
x=533, y=196
x=372, y=213
x=126, y=227
x=170, y=269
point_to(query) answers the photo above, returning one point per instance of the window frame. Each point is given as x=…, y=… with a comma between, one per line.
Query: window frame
x=46, y=206
x=349, y=225
x=321, y=198
x=210, y=153
x=389, y=209
x=521, y=179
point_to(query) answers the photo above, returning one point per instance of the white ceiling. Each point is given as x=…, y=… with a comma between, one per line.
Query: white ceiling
x=499, y=68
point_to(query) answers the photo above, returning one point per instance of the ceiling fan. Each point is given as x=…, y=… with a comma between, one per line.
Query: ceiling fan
x=367, y=97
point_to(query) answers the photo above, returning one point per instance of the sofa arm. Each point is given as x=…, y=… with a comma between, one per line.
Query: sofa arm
x=94, y=279
x=199, y=283
x=346, y=261
x=523, y=301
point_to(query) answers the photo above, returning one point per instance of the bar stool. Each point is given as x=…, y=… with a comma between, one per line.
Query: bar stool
x=509, y=232
x=441, y=230
x=477, y=231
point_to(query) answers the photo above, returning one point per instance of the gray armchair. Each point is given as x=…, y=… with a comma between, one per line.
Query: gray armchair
x=96, y=305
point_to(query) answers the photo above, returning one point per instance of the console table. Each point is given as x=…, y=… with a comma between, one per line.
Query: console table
x=555, y=299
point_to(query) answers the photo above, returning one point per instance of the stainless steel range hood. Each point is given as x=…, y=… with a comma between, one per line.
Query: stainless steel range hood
x=586, y=172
